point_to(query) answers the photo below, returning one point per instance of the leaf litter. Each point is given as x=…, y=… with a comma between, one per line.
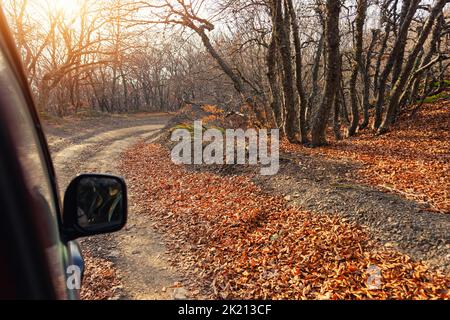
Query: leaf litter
x=412, y=160
x=235, y=241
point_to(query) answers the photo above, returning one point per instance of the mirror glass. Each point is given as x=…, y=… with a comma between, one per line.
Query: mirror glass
x=100, y=203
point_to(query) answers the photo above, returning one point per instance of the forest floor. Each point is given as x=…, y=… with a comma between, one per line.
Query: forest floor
x=332, y=223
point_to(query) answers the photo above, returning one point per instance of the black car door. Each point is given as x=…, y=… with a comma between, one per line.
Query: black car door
x=33, y=259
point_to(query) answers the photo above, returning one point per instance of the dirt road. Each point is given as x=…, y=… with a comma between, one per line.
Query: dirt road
x=94, y=145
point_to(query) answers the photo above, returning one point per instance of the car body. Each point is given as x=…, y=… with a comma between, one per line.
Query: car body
x=39, y=255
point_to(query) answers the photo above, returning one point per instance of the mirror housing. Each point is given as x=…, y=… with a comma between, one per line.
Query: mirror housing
x=94, y=204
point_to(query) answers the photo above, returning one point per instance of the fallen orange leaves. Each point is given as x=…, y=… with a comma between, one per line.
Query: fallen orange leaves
x=244, y=243
x=413, y=159
x=100, y=279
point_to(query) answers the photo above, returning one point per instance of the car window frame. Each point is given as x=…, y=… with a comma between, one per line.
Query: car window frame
x=41, y=284
x=14, y=61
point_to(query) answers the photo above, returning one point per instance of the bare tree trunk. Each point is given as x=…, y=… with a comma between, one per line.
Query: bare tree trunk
x=406, y=92
x=312, y=100
x=299, y=76
x=344, y=111
x=237, y=81
x=366, y=93
x=338, y=102
x=125, y=89
x=331, y=86
x=284, y=47
x=249, y=96
x=426, y=63
x=382, y=50
x=399, y=62
x=357, y=65
x=401, y=82
x=391, y=61
x=273, y=81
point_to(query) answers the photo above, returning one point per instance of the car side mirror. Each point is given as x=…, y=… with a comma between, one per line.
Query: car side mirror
x=94, y=204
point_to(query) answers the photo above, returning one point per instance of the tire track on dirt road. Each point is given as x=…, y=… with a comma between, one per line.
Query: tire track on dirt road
x=138, y=252
x=79, y=156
